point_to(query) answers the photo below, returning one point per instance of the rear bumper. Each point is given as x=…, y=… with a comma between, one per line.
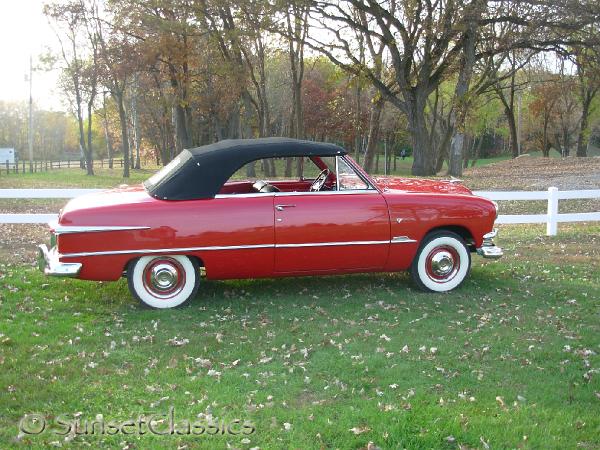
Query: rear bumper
x=488, y=249
x=49, y=264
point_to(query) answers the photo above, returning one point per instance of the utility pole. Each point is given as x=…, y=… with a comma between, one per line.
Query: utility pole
x=519, y=107
x=30, y=115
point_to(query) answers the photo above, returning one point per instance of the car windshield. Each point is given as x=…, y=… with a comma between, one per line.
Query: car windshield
x=348, y=179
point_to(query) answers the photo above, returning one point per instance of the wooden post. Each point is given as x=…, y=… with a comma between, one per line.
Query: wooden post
x=7, y=168
x=552, y=225
x=23, y=166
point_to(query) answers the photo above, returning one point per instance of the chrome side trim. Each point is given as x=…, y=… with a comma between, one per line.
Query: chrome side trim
x=401, y=240
x=231, y=247
x=250, y=195
x=357, y=191
x=66, y=229
x=166, y=250
x=331, y=244
x=289, y=194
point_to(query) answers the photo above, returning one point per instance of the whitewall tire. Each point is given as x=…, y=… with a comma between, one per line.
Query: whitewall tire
x=442, y=262
x=163, y=281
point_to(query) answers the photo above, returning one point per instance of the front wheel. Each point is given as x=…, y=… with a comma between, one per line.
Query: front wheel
x=164, y=281
x=442, y=262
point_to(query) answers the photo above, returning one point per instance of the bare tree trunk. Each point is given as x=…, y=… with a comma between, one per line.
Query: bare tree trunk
x=373, y=139
x=251, y=169
x=288, y=167
x=109, y=144
x=107, y=136
x=459, y=112
x=81, y=138
x=423, y=152
x=583, y=124
x=545, y=144
x=300, y=168
x=136, y=124
x=441, y=157
x=89, y=160
x=512, y=126
x=477, y=152
x=118, y=96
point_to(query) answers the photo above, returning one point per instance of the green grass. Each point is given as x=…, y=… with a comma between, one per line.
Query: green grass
x=510, y=360
x=403, y=167
x=65, y=178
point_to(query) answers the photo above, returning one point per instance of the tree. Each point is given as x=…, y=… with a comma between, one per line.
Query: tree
x=509, y=90
x=72, y=28
x=566, y=108
x=543, y=107
x=422, y=40
x=425, y=42
x=587, y=63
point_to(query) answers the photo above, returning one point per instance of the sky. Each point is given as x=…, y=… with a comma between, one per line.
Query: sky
x=25, y=31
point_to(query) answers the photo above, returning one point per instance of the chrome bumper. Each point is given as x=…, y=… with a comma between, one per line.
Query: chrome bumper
x=488, y=249
x=49, y=264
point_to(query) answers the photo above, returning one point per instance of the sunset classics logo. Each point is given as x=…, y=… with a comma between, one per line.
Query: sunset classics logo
x=162, y=424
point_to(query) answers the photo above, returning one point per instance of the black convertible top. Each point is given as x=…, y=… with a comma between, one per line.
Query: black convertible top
x=201, y=172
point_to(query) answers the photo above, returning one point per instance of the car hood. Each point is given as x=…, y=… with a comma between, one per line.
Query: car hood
x=111, y=199
x=422, y=185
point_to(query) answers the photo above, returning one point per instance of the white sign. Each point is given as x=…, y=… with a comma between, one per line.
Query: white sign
x=7, y=154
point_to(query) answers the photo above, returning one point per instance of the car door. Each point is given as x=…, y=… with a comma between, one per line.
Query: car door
x=331, y=231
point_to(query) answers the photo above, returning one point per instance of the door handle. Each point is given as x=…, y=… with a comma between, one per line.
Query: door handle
x=282, y=207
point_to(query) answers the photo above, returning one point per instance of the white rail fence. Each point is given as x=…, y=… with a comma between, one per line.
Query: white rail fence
x=552, y=218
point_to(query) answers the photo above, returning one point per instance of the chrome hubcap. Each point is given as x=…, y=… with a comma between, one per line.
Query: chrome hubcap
x=163, y=277
x=442, y=263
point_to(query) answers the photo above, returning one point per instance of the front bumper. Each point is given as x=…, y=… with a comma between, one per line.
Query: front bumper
x=49, y=264
x=488, y=249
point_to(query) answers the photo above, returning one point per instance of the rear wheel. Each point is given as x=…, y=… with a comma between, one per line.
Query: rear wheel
x=164, y=281
x=442, y=262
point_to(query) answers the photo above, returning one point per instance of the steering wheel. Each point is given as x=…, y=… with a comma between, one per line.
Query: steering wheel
x=319, y=182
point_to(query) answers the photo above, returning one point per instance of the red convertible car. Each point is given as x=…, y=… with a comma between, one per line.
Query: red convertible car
x=208, y=209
